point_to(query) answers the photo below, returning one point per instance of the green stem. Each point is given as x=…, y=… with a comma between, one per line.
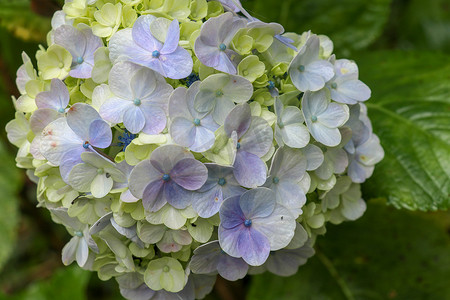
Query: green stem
x=333, y=272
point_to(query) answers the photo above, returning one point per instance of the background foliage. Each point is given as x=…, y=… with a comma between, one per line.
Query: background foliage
x=400, y=46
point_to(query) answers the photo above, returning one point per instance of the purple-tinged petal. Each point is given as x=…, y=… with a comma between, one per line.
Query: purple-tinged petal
x=120, y=78
x=57, y=98
x=152, y=198
x=178, y=106
x=279, y=227
x=231, y=215
x=290, y=194
x=142, y=35
x=231, y=268
x=113, y=109
x=189, y=173
x=257, y=203
x=155, y=119
x=69, y=160
x=172, y=38
x=204, y=139
x=176, y=195
x=142, y=84
x=141, y=176
x=207, y=53
x=288, y=163
x=258, y=138
x=239, y=120
x=176, y=65
x=182, y=131
x=250, y=171
x=71, y=39
x=100, y=134
x=228, y=239
x=167, y=156
x=253, y=246
x=207, y=204
x=79, y=118
x=41, y=118
x=134, y=120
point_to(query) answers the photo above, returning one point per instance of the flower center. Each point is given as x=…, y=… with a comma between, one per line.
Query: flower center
x=219, y=93
x=334, y=85
x=78, y=233
x=248, y=223
x=166, y=177
x=100, y=171
x=280, y=124
x=61, y=110
x=197, y=122
x=86, y=145
x=314, y=118
x=166, y=269
x=137, y=102
x=222, y=47
x=156, y=54
x=238, y=146
x=301, y=68
x=80, y=60
x=222, y=181
x=276, y=180
x=61, y=65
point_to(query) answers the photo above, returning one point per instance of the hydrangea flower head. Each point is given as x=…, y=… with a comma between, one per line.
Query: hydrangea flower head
x=190, y=139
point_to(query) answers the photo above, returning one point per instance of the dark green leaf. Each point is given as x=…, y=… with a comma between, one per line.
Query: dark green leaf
x=410, y=111
x=387, y=254
x=66, y=283
x=351, y=24
x=9, y=204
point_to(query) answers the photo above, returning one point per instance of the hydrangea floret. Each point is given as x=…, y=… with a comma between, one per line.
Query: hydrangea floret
x=181, y=140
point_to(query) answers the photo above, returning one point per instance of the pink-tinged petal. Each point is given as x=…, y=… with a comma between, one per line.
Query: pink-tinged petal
x=204, y=139
x=239, y=120
x=155, y=118
x=142, y=34
x=141, y=175
x=177, y=196
x=258, y=138
x=71, y=39
x=189, y=173
x=250, y=171
x=79, y=118
x=134, y=119
x=100, y=134
x=253, y=246
x=231, y=268
x=57, y=139
x=231, y=215
x=172, y=38
x=113, y=109
x=57, y=98
x=41, y=118
x=278, y=228
x=182, y=131
x=177, y=65
x=207, y=204
x=152, y=196
x=257, y=203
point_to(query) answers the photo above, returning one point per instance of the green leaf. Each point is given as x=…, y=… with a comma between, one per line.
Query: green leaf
x=9, y=204
x=18, y=18
x=351, y=24
x=410, y=111
x=387, y=254
x=66, y=283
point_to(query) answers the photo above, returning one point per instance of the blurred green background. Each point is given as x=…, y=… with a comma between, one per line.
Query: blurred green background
x=400, y=249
